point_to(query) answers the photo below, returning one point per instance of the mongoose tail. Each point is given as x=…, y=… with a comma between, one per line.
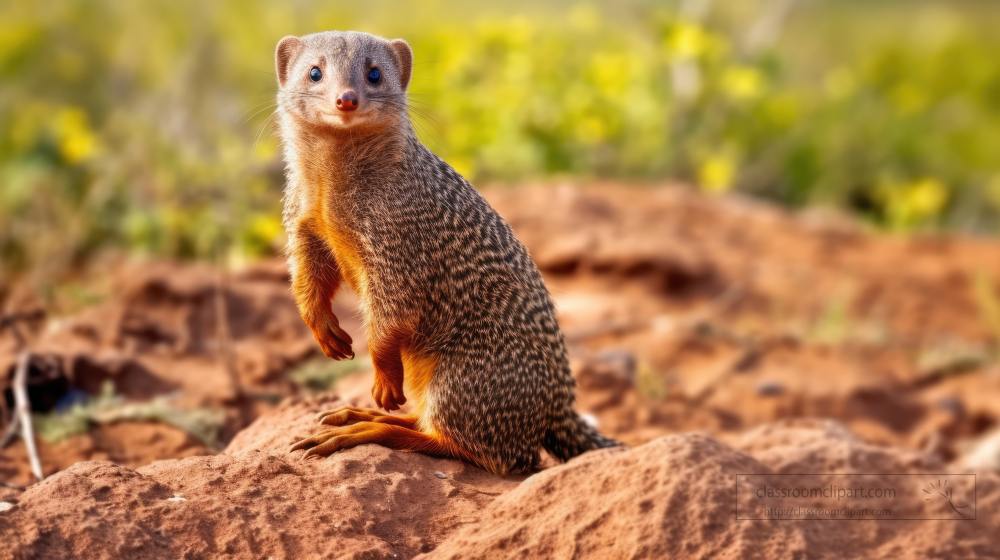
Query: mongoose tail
x=572, y=436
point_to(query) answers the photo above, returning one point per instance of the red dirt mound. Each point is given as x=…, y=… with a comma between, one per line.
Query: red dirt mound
x=672, y=497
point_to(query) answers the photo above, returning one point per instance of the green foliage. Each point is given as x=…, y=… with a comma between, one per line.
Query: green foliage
x=144, y=125
x=107, y=408
x=55, y=427
x=322, y=374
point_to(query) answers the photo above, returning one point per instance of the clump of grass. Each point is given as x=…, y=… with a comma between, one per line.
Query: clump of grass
x=832, y=325
x=651, y=383
x=108, y=407
x=57, y=426
x=322, y=374
x=951, y=357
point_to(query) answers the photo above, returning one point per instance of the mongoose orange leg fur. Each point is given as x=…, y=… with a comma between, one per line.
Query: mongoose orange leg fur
x=458, y=315
x=316, y=278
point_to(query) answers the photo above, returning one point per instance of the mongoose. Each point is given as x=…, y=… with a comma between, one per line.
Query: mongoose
x=460, y=324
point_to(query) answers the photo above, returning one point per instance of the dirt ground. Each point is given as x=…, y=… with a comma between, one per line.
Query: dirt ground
x=713, y=335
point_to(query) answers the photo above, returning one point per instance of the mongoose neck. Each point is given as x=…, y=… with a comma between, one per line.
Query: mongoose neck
x=346, y=159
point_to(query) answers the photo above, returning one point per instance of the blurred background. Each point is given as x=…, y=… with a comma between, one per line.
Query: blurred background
x=145, y=125
x=144, y=130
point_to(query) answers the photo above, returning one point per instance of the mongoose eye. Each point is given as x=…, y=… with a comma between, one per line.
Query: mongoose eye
x=374, y=76
x=315, y=75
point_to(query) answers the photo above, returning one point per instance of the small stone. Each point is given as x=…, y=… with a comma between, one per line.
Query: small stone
x=5, y=507
x=769, y=388
x=337, y=524
x=952, y=405
x=177, y=498
x=440, y=474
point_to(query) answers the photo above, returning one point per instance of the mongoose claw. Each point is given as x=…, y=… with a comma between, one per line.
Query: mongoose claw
x=310, y=441
x=329, y=440
x=347, y=414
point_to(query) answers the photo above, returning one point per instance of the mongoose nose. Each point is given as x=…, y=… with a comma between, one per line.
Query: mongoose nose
x=348, y=101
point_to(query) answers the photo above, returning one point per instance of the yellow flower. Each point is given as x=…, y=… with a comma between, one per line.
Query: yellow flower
x=916, y=202
x=716, y=173
x=463, y=165
x=742, y=82
x=688, y=40
x=76, y=141
x=611, y=72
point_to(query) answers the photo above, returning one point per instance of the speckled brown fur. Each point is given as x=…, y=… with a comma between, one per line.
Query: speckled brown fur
x=459, y=321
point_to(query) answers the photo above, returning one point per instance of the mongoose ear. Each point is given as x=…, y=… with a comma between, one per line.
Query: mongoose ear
x=404, y=60
x=288, y=50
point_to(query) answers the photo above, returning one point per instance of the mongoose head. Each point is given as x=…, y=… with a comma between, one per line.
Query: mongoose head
x=343, y=80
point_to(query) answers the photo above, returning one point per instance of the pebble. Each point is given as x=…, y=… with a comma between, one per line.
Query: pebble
x=952, y=405
x=440, y=474
x=177, y=498
x=769, y=388
x=5, y=507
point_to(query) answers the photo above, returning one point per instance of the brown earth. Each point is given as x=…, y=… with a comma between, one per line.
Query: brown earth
x=709, y=333
x=671, y=497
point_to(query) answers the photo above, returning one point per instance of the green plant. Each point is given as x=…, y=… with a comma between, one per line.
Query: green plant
x=107, y=407
x=123, y=125
x=322, y=374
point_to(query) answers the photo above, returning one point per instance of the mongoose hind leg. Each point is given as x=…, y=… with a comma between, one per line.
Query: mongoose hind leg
x=352, y=414
x=390, y=435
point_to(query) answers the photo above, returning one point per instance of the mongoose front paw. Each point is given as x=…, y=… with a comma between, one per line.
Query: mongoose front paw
x=389, y=396
x=334, y=341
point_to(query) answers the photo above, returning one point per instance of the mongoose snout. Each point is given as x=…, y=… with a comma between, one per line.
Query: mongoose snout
x=347, y=101
x=460, y=325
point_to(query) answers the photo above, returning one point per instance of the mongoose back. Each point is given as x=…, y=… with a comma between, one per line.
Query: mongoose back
x=460, y=324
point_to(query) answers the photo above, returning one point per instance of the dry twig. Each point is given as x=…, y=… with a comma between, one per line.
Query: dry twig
x=22, y=410
x=224, y=337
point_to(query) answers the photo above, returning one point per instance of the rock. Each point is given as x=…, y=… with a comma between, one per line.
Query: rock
x=769, y=388
x=984, y=453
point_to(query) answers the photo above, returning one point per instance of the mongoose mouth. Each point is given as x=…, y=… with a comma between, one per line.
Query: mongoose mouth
x=343, y=118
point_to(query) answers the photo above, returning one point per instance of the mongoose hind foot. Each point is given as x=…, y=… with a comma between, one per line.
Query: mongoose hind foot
x=390, y=435
x=350, y=415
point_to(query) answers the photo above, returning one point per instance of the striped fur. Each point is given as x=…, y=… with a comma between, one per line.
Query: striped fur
x=456, y=312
